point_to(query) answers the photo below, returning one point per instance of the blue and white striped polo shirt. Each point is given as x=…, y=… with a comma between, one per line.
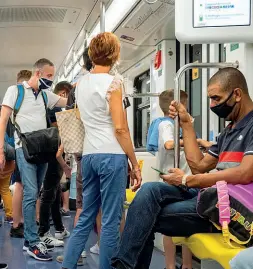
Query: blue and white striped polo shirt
x=234, y=143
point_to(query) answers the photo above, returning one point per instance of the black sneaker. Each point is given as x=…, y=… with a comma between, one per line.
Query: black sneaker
x=65, y=214
x=17, y=232
x=39, y=252
x=8, y=220
x=3, y=266
x=26, y=245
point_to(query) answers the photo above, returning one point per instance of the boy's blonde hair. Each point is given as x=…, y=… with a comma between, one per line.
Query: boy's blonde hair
x=166, y=97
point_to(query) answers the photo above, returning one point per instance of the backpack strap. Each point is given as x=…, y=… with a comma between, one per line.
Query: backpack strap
x=19, y=101
x=45, y=99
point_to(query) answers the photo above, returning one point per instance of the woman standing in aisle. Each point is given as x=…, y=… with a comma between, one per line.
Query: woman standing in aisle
x=107, y=147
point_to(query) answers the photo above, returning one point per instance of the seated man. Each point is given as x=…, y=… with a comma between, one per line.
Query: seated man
x=168, y=208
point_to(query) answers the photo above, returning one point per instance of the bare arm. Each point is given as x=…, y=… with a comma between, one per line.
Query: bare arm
x=5, y=115
x=242, y=174
x=122, y=133
x=121, y=126
x=169, y=145
x=204, y=143
x=197, y=161
x=61, y=161
x=59, y=156
x=62, y=102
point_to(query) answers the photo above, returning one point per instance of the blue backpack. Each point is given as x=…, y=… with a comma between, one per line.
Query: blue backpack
x=20, y=99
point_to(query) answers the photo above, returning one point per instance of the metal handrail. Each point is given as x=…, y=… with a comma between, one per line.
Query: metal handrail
x=177, y=79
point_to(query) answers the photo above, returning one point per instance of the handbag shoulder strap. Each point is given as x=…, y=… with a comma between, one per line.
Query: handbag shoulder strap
x=224, y=208
x=223, y=203
x=224, y=215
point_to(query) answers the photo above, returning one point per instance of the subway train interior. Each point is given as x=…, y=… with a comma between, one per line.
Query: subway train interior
x=165, y=44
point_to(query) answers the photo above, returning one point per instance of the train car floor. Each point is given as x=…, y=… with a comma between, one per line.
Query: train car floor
x=11, y=251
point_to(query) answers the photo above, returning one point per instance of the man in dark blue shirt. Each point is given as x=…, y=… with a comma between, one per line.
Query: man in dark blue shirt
x=51, y=192
x=168, y=208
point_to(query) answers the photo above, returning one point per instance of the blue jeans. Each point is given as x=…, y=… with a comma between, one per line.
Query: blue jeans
x=104, y=184
x=157, y=207
x=32, y=176
x=244, y=260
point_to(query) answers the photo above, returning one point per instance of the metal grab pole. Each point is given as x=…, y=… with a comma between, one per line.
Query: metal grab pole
x=177, y=79
x=102, y=17
x=140, y=95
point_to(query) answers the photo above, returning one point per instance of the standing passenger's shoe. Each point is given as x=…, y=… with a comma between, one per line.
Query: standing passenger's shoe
x=61, y=235
x=80, y=262
x=39, y=252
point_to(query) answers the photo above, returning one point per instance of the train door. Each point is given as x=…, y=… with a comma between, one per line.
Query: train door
x=207, y=124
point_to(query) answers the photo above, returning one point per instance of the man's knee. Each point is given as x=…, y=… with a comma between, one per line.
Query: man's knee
x=149, y=187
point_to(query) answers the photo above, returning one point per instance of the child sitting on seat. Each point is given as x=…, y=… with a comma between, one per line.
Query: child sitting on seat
x=161, y=139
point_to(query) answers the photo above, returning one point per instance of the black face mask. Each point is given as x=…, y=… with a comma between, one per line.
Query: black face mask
x=223, y=110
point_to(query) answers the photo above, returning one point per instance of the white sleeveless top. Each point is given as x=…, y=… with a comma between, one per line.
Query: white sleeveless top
x=91, y=97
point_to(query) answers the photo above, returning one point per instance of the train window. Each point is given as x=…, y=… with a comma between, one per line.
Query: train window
x=141, y=113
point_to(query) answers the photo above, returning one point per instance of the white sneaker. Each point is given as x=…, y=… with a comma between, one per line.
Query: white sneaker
x=62, y=235
x=95, y=249
x=50, y=240
x=84, y=255
x=12, y=188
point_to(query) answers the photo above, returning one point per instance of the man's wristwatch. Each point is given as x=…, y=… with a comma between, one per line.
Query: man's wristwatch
x=184, y=183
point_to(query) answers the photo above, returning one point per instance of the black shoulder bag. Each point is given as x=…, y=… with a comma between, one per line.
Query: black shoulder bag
x=40, y=146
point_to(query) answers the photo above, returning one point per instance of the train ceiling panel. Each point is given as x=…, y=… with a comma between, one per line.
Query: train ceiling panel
x=145, y=20
x=32, y=29
x=32, y=14
x=37, y=16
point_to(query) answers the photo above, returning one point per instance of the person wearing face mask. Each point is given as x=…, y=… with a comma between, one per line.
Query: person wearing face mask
x=167, y=207
x=30, y=117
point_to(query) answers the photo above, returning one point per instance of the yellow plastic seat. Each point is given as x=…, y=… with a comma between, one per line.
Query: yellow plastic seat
x=210, y=246
x=130, y=196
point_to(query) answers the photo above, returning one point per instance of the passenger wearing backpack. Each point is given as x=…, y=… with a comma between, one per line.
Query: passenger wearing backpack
x=35, y=143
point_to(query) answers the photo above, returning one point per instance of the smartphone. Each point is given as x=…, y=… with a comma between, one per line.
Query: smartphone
x=160, y=172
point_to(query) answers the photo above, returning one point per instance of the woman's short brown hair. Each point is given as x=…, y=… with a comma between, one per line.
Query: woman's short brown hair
x=104, y=49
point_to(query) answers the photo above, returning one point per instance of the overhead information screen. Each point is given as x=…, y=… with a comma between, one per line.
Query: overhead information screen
x=213, y=13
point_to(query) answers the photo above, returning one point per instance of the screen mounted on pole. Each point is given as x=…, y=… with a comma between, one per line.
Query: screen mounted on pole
x=214, y=21
x=213, y=13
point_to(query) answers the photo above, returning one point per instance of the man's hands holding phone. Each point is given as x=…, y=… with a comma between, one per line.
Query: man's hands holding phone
x=174, y=176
